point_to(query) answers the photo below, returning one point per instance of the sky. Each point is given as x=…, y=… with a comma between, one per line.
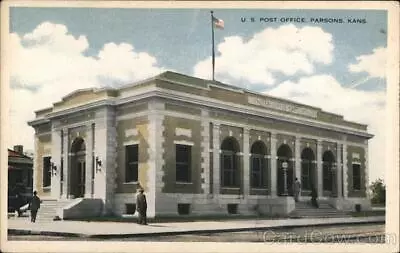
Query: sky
x=336, y=64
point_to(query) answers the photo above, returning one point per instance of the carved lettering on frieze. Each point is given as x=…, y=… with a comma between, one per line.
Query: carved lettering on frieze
x=287, y=107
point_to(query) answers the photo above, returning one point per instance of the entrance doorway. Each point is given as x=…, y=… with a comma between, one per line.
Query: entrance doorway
x=308, y=170
x=78, y=168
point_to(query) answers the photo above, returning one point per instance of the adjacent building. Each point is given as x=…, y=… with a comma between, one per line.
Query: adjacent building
x=197, y=147
x=20, y=177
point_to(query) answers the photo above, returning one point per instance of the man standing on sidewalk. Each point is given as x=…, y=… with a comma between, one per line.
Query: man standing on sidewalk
x=141, y=207
x=34, y=206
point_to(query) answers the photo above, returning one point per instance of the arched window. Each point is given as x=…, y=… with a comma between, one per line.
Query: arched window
x=307, y=169
x=284, y=160
x=258, y=165
x=230, y=174
x=328, y=160
x=78, y=145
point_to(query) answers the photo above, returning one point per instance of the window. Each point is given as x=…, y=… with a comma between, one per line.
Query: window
x=257, y=171
x=306, y=177
x=327, y=176
x=131, y=163
x=230, y=175
x=229, y=163
x=183, y=161
x=183, y=209
x=46, y=171
x=232, y=208
x=130, y=208
x=356, y=177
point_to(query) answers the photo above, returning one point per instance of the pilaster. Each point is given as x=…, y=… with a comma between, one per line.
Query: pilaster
x=273, y=165
x=297, y=158
x=246, y=162
x=89, y=162
x=66, y=164
x=216, y=160
x=56, y=162
x=345, y=170
x=205, y=152
x=106, y=151
x=319, y=185
x=339, y=168
x=155, y=172
x=366, y=170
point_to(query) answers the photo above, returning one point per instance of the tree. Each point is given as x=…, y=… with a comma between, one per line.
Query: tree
x=378, y=190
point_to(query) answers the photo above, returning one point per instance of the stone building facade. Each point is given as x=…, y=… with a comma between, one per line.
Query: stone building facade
x=197, y=147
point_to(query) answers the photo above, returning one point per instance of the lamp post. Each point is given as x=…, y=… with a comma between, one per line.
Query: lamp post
x=284, y=167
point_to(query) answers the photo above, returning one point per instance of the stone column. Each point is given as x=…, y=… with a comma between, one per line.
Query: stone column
x=66, y=164
x=338, y=170
x=319, y=186
x=297, y=158
x=216, y=158
x=273, y=165
x=88, y=162
x=246, y=163
x=345, y=168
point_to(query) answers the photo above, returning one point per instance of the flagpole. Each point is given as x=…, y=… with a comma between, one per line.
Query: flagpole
x=213, y=53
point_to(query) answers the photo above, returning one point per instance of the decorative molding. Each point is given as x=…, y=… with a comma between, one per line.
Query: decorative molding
x=182, y=142
x=183, y=132
x=131, y=132
x=128, y=143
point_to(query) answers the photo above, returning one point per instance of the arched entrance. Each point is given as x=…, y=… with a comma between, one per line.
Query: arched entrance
x=258, y=165
x=230, y=169
x=285, y=170
x=329, y=172
x=77, y=168
x=307, y=169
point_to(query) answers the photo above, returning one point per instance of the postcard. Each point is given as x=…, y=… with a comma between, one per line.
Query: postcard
x=199, y=126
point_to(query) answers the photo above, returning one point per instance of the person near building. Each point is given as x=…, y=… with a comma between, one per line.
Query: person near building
x=34, y=206
x=314, y=196
x=141, y=207
x=296, y=189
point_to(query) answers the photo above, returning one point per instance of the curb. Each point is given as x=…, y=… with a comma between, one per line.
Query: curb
x=171, y=233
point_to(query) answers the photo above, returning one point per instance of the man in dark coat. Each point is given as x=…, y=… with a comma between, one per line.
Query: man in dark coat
x=314, y=196
x=141, y=207
x=34, y=205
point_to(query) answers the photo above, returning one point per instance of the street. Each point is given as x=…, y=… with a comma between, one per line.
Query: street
x=365, y=233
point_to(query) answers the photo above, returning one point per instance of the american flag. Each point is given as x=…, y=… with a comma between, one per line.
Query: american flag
x=219, y=23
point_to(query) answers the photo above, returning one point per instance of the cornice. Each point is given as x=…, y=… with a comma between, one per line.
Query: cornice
x=204, y=102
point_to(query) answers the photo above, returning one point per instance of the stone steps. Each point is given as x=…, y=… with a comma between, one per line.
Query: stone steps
x=48, y=209
x=304, y=209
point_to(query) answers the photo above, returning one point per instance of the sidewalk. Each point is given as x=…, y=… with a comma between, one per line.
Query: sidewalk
x=119, y=229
